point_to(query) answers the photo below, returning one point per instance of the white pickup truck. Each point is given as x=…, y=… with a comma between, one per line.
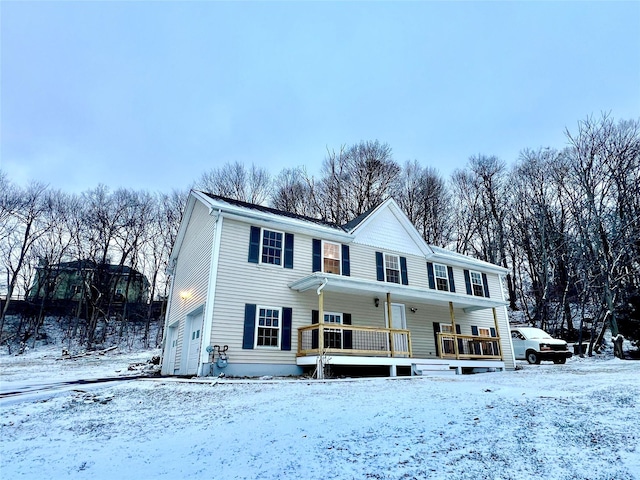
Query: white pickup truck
x=533, y=345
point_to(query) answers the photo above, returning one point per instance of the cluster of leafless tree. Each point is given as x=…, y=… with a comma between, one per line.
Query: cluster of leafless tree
x=40, y=228
x=565, y=223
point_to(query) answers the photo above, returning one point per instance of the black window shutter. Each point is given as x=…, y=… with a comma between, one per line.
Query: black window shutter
x=476, y=345
x=249, y=326
x=379, y=267
x=467, y=282
x=317, y=256
x=346, y=263
x=347, y=336
x=287, y=315
x=314, y=333
x=460, y=342
x=452, y=284
x=486, y=285
x=254, y=245
x=403, y=271
x=495, y=344
x=432, y=277
x=436, y=331
x=288, y=250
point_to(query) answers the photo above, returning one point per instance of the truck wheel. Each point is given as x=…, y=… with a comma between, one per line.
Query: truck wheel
x=532, y=357
x=560, y=360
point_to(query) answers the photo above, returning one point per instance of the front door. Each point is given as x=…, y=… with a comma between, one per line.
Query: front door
x=398, y=322
x=192, y=341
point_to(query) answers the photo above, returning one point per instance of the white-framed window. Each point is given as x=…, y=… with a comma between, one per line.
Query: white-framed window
x=271, y=245
x=476, y=284
x=487, y=347
x=331, y=257
x=391, y=268
x=447, y=342
x=484, y=332
x=442, y=277
x=332, y=336
x=268, y=326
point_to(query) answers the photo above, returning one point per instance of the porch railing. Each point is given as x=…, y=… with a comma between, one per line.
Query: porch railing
x=452, y=345
x=352, y=340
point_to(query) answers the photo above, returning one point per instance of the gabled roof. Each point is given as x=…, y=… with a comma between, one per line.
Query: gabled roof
x=274, y=211
x=370, y=228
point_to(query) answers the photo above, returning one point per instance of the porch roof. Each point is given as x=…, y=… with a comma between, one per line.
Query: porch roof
x=406, y=293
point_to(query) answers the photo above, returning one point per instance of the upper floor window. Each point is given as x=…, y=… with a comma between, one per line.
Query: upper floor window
x=391, y=268
x=476, y=284
x=442, y=278
x=271, y=247
x=331, y=257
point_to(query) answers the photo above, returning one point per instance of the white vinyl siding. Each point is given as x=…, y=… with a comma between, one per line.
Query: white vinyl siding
x=191, y=273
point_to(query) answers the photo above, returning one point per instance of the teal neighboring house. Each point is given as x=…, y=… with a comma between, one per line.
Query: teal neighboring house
x=80, y=279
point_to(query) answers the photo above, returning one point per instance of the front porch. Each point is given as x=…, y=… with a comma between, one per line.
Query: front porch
x=322, y=345
x=336, y=341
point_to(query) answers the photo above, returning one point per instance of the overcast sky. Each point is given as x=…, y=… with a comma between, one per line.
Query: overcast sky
x=149, y=95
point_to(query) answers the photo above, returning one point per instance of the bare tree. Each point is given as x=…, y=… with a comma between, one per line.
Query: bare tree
x=603, y=178
x=293, y=192
x=424, y=197
x=22, y=227
x=233, y=180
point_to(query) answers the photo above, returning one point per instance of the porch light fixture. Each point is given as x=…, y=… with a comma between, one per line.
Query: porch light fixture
x=376, y=302
x=413, y=309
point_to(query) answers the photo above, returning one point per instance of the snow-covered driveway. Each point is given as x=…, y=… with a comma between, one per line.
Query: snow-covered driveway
x=573, y=421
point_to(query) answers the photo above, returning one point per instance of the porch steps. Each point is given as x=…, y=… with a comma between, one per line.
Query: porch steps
x=427, y=369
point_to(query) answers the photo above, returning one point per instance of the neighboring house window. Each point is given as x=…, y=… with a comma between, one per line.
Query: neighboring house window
x=75, y=289
x=332, y=336
x=331, y=257
x=271, y=247
x=442, y=278
x=268, y=327
x=391, y=268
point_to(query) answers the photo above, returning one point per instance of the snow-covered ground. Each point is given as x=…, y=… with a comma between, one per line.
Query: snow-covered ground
x=573, y=421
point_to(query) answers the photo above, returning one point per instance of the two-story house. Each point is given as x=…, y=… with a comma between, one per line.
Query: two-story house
x=281, y=294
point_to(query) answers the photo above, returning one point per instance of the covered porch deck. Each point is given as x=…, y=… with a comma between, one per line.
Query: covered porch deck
x=324, y=344
x=348, y=345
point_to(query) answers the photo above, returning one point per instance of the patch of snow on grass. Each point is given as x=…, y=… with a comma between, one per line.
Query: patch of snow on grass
x=573, y=421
